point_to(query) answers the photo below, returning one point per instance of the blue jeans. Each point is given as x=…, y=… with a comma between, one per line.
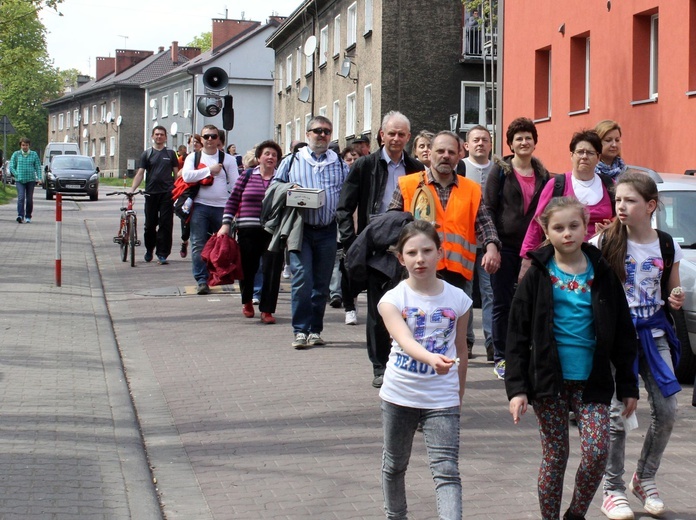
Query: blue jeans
x=663, y=413
x=311, y=273
x=441, y=432
x=335, y=284
x=486, y=291
x=25, y=198
x=205, y=222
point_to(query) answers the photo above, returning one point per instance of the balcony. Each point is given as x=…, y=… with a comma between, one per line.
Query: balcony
x=478, y=44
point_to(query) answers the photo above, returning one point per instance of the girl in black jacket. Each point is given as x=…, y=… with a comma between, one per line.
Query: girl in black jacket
x=569, y=319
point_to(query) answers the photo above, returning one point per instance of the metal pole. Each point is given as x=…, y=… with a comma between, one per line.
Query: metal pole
x=59, y=236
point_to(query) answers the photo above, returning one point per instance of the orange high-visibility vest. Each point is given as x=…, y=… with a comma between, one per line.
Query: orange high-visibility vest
x=455, y=225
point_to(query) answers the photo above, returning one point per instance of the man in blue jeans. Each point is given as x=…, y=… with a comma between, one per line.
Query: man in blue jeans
x=216, y=172
x=26, y=168
x=314, y=166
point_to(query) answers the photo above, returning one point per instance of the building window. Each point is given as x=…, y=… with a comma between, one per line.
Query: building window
x=280, y=77
x=61, y=122
x=102, y=147
x=85, y=117
x=53, y=123
x=368, y=17
x=654, y=55
x=645, y=56
x=367, y=108
x=175, y=103
x=352, y=27
x=309, y=64
x=298, y=129
x=165, y=106
x=542, y=84
x=323, y=45
x=94, y=114
x=112, y=145
x=580, y=72
x=337, y=36
x=187, y=100
x=113, y=109
x=692, y=47
x=76, y=118
x=298, y=72
x=288, y=67
x=476, y=105
x=85, y=147
x=336, y=117
x=322, y=111
x=102, y=112
x=350, y=114
x=153, y=110
x=288, y=136
x=94, y=148
x=67, y=120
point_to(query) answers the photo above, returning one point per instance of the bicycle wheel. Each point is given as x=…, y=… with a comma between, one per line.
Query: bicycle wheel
x=131, y=238
x=124, y=240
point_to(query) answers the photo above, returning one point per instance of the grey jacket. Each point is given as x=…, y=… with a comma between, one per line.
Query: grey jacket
x=283, y=222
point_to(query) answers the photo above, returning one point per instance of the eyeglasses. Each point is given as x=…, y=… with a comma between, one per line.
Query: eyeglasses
x=585, y=153
x=208, y=137
x=319, y=131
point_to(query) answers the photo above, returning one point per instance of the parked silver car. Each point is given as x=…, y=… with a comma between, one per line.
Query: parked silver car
x=677, y=216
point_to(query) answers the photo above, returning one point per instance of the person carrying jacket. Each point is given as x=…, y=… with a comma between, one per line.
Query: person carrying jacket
x=367, y=191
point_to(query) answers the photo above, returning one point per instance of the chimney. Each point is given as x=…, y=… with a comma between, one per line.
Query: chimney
x=126, y=58
x=224, y=30
x=277, y=19
x=190, y=52
x=82, y=79
x=160, y=49
x=105, y=66
x=175, y=52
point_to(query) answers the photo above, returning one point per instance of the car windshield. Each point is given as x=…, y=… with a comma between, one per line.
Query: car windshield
x=677, y=216
x=66, y=162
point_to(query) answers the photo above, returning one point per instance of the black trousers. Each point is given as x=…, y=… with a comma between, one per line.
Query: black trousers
x=253, y=245
x=159, y=222
x=378, y=339
x=504, y=284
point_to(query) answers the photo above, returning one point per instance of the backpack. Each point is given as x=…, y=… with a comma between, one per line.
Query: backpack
x=559, y=186
x=183, y=190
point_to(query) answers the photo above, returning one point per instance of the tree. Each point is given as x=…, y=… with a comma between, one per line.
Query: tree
x=27, y=77
x=68, y=77
x=203, y=41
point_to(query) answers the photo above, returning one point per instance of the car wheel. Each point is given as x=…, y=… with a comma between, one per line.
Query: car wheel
x=49, y=194
x=686, y=370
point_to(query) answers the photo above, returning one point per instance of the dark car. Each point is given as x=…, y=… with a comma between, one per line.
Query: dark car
x=72, y=175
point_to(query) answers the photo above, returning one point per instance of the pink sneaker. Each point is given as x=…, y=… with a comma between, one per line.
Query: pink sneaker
x=646, y=491
x=615, y=506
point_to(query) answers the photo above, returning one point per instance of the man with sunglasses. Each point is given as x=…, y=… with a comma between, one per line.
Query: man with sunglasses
x=216, y=172
x=314, y=166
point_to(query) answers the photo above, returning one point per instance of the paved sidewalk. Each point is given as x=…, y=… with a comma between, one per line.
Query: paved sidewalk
x=237, y=424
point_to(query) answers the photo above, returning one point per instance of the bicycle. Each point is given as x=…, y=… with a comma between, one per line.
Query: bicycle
x=127, y=236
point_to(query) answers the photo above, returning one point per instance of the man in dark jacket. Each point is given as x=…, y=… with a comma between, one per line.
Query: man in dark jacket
x=368, y=189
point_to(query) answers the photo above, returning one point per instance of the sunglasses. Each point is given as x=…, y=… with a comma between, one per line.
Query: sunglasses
x=207, y=137
x=319, y=131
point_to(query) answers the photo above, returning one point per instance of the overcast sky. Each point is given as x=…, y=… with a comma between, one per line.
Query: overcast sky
x=94, y=28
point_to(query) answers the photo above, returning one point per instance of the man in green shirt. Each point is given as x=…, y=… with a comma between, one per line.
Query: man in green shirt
x=26, y=168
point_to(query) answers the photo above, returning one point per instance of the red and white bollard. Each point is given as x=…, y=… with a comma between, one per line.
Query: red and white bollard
x=59, y=235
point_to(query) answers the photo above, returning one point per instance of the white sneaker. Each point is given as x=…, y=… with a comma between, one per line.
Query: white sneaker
x=615, y=506
x=646, y=491
x=286, y=272
x=315, y=339
x=351, y=318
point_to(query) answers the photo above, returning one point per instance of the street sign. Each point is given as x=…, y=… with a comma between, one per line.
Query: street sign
x=6, y=126
x=453, y=122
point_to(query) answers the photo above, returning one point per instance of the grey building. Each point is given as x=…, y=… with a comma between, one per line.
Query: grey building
x=367, y=57
x=105, y=115
x=238, y=48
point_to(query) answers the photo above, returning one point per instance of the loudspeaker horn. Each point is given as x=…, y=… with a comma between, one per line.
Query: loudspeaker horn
x=215, y=79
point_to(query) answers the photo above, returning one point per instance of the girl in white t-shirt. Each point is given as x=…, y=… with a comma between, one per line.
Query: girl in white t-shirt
x=632, y=247
x=425, y=375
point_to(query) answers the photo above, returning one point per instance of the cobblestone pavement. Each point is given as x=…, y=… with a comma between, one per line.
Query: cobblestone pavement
x=236, y=423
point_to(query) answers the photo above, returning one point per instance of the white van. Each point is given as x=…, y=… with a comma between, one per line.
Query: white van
x=57, y=149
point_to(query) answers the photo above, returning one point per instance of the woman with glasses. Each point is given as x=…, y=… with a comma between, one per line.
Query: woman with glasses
x=583, y=183
x=610, y=161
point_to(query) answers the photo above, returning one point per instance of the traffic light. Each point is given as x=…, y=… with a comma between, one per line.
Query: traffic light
x=227, y=113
